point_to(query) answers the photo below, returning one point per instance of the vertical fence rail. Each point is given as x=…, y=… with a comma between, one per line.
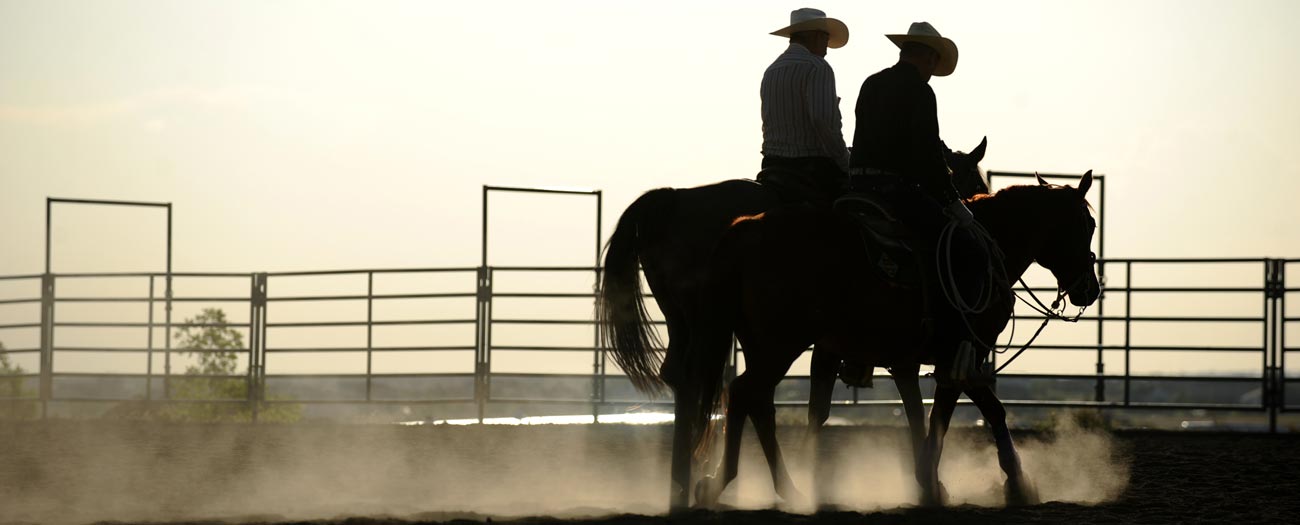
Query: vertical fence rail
x=597, y=362
x=257, y=343
x=1128, y=332
x=47, y=342
x=370, y=331
x=1282, y=405
x=1274, y=401
x=482, y=339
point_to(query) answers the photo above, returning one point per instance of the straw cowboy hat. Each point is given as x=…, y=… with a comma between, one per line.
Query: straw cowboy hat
x=809, y=19
x=924, y=33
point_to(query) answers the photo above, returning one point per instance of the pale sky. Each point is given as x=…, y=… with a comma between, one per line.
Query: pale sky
x=327, y=135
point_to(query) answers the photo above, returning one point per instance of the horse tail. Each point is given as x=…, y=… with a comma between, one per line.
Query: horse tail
x=625, y=326
x=719, y=311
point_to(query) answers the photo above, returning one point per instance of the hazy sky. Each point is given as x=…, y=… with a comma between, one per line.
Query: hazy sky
x=322, y=135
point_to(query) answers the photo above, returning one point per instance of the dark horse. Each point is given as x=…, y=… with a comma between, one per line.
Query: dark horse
x=798, y=276
x=671, y=233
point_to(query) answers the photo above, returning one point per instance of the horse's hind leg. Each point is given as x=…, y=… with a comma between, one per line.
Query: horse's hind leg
x=710, y=488
x=1020, y=490
x=760, y=393
x=750, y=395
x=674, y=374
x=683, y=422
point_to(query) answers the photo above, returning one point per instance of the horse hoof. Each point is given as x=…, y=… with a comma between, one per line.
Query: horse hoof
x=793, y=498
x=1021, y=493
x=707, y=492
x=935, y=495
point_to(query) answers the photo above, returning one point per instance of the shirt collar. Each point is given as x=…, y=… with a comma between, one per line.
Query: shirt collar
x=908, y=67
x=797, y=48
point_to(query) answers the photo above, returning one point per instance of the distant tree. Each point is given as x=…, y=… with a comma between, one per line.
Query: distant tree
x=12, y=391
x=215, y=377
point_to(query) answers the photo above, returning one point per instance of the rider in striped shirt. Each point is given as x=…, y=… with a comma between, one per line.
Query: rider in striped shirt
x=801, y=116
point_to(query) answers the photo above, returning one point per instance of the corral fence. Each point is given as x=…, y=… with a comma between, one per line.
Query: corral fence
x=473, y=342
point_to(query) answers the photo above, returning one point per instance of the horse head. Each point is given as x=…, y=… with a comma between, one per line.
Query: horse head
x=967, y=177
x=1067, y=252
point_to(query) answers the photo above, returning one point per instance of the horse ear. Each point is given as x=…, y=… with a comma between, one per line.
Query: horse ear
x=1085, y=183
x=977, y=154
x=1041, y=182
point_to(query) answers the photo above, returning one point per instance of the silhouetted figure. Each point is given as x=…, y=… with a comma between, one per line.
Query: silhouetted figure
x=897, y=152
x=801, y=115
x=794, y=277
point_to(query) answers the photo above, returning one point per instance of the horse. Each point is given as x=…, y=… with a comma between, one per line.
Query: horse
x=671, y=232
x=798, y=276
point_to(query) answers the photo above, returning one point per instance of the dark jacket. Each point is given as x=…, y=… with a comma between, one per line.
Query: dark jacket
x=898, y=130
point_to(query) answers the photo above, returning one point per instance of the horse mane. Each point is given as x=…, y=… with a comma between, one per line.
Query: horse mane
x=1028, y=200
x=1017, y=193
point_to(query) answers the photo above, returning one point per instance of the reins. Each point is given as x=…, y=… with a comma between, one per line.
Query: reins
x=1048, y=315
x=948, y=283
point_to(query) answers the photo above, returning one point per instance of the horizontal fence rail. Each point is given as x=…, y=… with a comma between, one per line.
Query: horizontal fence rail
x=476, y=373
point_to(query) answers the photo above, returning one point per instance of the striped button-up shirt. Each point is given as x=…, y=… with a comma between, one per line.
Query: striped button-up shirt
x=801, y=113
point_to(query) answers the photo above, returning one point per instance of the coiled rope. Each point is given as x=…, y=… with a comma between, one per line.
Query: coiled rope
x=997, y=279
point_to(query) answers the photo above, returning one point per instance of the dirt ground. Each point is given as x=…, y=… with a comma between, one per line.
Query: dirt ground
x=89, y=472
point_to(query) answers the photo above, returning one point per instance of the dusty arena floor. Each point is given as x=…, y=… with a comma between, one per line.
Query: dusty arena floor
x=87, y=472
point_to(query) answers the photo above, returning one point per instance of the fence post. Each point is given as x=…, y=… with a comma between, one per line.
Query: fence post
x=257, y=344
x=1279, y=350
x=598, y=358
x=1274, y=291
x=47, y=342
x=482, y=339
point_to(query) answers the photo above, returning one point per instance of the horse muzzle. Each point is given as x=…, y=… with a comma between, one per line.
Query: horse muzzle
x=1085, y=291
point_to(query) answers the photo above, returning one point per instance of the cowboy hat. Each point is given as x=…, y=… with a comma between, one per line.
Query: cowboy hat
x=809, y=19
x=924, y=33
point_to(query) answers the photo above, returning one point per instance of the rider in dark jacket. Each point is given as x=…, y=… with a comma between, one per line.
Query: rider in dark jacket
x=897, y=151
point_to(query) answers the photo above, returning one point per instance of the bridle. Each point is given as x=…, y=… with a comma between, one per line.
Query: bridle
x=998, y=277
x=1056, y=311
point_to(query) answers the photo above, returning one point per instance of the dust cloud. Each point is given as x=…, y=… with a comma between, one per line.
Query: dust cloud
x=867, y=469
x=87, y=471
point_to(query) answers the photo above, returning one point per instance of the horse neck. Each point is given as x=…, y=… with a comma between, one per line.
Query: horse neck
x=1017, y=228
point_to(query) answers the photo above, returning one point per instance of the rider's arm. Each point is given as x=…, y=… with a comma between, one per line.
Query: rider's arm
x=824, y=110
x=926, y=150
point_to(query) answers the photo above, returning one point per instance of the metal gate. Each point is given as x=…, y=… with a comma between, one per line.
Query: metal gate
x=474, y=386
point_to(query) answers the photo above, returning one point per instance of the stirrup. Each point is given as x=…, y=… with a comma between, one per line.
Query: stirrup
x=968, y=369
x=853, y=376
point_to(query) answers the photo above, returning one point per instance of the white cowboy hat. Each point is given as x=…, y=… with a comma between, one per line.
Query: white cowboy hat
x=924, y=33
x=809, y=19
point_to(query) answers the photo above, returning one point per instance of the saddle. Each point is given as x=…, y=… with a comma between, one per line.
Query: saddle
x=884, y=237
x=792, y=186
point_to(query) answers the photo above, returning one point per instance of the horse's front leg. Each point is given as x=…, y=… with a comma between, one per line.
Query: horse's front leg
x=909, y=389
x=825, y=365
x=945, y=401
x=1020, y=490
